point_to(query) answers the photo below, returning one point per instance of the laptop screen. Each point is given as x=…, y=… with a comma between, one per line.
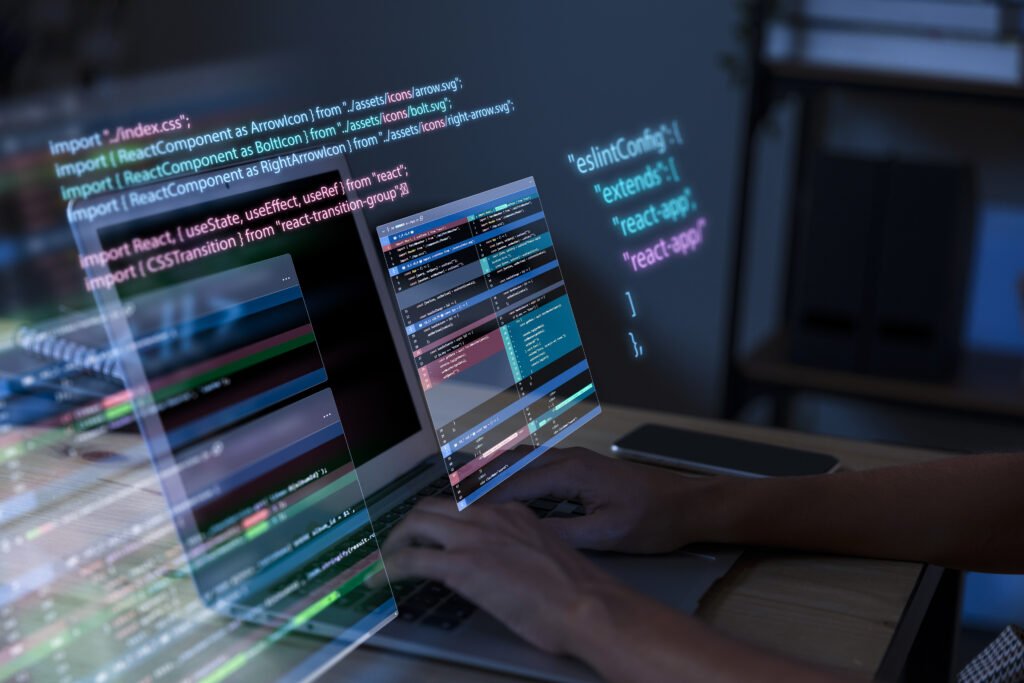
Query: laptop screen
x=258, y=334
x=359, y=356
x=493, y=338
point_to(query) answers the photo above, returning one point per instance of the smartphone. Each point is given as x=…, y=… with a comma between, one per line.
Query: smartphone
x=710, y=454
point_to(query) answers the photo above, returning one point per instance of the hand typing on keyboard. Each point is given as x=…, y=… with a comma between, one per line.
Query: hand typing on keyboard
x=502, y=559
x=518, y=568
x=629, y=507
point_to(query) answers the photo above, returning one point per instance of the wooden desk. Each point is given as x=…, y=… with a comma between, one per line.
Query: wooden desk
x=839, y=612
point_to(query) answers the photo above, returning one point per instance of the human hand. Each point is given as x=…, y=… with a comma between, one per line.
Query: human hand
x=508, y=562
x=502, y=559
x=630, y=507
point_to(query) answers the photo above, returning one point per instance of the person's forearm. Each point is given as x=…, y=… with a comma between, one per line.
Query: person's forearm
x=964, y=512
x=628, y=638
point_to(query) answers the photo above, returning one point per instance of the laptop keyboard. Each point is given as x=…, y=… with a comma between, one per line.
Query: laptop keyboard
x=429, y=602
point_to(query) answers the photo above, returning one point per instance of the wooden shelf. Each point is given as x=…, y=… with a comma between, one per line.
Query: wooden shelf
x=797, y=73
x=985, y=383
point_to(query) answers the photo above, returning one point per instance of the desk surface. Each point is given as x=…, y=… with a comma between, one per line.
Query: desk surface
x=839, y=612
x=836, y=611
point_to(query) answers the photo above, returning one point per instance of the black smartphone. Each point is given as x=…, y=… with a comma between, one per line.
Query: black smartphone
x=710, y=454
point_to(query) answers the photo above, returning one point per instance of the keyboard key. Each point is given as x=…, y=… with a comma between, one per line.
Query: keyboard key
x=422, y=602
x=443, y=623
x=388, y=520
x=542, y=504
x=404, y=589
x=435, y=588
x=455, y=608
x=406, y=614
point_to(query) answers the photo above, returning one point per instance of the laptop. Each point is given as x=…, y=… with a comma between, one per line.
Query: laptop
x=424, y=404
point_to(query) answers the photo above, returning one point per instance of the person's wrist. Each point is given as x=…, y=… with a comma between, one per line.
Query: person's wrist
x=716, y=508
x=591, y=625
x=612, y=619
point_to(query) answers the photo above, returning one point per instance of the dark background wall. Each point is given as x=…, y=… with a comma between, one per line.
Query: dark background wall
x=580, y=73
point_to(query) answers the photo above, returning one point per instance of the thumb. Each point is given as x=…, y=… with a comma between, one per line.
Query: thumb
x=544, y=478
